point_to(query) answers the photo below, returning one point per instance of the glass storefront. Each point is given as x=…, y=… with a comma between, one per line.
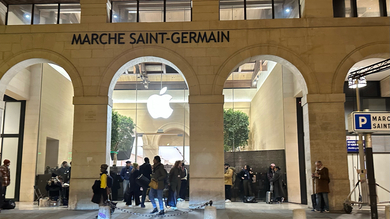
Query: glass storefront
x=155, y=97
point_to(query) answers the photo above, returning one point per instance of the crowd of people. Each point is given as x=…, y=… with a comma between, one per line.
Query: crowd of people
x=146, y=179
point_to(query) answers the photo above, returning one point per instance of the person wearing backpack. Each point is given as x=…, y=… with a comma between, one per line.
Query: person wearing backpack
x=159, y=175
x=228, y=182
x=105, y=184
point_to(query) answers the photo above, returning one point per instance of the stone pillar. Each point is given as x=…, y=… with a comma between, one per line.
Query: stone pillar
x=325, y=140
x=206, y=150
x=205, y=10
x=91, y=140
x=94, y=11
x=316, y=8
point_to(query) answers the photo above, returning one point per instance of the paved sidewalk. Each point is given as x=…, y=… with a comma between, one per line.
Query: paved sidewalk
x=233, y=210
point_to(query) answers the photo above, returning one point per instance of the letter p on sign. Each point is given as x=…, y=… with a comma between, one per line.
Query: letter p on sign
x=362, y=121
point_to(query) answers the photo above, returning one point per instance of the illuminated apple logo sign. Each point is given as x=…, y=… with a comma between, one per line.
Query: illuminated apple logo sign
x=158, y=105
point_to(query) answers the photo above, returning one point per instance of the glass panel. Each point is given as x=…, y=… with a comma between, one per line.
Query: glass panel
x=368, y=8
x=19, y=14
x=258, y=9
x=178, y=10
x=151, y=11
x=231, y=10
x=45, y=13
x=287, y=9
x=70, y=13
x=124, y=12
x=388, y=7
x=12, y=118
x=10, y=152
x=348, y=8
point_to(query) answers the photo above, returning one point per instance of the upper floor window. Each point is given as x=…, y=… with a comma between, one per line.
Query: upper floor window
x=43, y=14
x=361, y=8
x=151, y=11
x=258, y=9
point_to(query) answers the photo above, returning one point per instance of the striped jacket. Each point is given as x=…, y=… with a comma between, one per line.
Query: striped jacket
x=5, y=175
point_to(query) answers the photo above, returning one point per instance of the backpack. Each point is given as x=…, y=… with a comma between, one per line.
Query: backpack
x=110, y=181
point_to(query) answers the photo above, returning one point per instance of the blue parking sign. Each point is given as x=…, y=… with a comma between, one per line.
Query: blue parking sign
x=362, y=121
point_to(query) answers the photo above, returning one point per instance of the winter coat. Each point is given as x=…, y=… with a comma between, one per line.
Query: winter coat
x=159, y=174
x=134, y=187
x=175, y=176
x=146, y=170
x=228, y=177
x=277, y=180
x=322, y=182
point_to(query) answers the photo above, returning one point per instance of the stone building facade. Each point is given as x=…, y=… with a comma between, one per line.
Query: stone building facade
x=318, y=48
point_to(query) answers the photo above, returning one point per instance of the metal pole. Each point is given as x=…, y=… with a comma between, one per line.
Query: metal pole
x=362, y=171
x=371, y=177
x=136, y=147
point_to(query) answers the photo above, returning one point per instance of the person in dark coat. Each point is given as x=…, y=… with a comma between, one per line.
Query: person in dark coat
x=175, y=176
x=246, y=176
x=146, y=170
x=134, y=189
x=270, y=174
x=277, y=181
x=321, y=182
x=159, y=175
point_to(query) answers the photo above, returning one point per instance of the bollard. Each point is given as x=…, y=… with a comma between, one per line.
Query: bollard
x=104, y=212
x=299, y=214
x=210, y=212
x=387, y=211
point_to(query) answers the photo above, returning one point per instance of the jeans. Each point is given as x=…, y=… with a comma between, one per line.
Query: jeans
x=172, y=201
x=156, y=193
x=228, y=192
x=125, y=186
x=144, y=190
x=2, y=195
x=322, y=196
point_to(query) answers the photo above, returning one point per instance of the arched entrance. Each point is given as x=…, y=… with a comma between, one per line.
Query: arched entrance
x=38, y=94
x=266, y=92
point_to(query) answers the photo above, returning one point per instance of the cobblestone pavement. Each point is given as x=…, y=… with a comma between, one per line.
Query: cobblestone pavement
x=233, y=210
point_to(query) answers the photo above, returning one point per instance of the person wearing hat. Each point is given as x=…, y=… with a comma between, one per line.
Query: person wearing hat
x=5, y=180
x=125, y=175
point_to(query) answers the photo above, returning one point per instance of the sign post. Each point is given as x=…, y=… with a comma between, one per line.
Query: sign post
x=370, y=122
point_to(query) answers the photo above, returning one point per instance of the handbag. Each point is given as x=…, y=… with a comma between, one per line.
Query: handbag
x=142, y=181
x=153, y=184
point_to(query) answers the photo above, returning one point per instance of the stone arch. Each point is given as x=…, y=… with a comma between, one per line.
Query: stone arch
x=371, y=50
x=152, y=53
x=168, y=127
x=268, y=52
x=22, y=60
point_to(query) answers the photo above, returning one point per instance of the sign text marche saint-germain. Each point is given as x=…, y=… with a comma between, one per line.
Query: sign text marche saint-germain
x=151, y=38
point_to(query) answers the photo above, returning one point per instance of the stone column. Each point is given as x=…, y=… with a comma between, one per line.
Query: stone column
x=325, y=140
x=206, y=150
x=205, y=10
x=316, y=8
x=91, y=140
x=94, y=11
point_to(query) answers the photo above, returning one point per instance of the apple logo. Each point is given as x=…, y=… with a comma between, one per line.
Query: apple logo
x=158, y=105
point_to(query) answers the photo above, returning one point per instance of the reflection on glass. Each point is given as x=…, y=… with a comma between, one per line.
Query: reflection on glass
x=19, y=14
x=12, y=118
x=45, y=13
x=231, y=10
x=151, y=11
x=256, y=9
x=368, y=8
x=178, y=10
x=70, y=13
x=124, y=12
x=287, y=9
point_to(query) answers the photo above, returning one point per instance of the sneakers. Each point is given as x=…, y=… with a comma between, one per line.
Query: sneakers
x=161, y=212
x=326, y=211
x=174, y=208
x=227, y=201
x=154, y=211
x=129, y=206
